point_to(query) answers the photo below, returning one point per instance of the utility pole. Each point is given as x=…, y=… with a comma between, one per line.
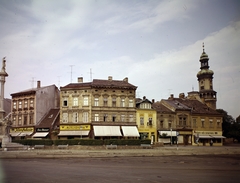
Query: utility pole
x=71, y=72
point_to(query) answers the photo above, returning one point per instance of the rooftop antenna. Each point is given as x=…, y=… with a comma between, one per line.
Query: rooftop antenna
x=71, y=72
x=32, y=82
x=90, y=74
x=169, y=91
x=59, y=81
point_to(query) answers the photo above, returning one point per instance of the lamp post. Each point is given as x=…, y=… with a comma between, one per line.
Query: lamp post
x=171, y=136
x=81, y=131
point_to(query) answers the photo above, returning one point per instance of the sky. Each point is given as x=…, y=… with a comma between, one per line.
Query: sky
x=157, y=44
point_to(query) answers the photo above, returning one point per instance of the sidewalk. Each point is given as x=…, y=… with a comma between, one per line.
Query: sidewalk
x=85, y=151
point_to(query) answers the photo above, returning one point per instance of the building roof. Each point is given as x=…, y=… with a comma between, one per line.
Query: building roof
x=50, y=118
x=197, y=107
x=30, y=91
x=160, y=108
x=100, y=83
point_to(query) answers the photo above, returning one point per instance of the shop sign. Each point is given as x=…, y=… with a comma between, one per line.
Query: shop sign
x=42, y=129
x=28, y=129
x=74, y=127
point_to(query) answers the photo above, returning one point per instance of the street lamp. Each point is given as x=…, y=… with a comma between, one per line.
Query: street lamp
x=81, y=131
x=171, y=136
x=170, y=126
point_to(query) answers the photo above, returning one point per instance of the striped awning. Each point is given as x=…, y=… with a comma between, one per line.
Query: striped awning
x=130, y=131
x=110, y=131
x=40, y=134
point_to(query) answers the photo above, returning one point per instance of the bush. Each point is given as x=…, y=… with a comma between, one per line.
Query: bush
x=87, y=142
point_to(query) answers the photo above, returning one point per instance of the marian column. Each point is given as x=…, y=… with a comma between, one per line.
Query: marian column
x=5, y=138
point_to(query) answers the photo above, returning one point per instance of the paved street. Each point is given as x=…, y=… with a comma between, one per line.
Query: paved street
x=200, y=168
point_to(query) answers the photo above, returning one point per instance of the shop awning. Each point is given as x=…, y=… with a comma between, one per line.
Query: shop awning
x=100, y=131
x=15, y=134
x=168, y=133
x=218, y=137
x=74, y=133
x=40, y=134
x=203, y=136
x=130, y=131
x=22, y=134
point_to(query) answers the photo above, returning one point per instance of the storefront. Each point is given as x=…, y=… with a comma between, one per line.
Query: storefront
x=168, y=137
x=41, y=133
x=74, y=131
x=21, y=133
x=208, y=138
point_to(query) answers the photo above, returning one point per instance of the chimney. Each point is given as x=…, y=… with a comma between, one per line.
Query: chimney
x=181, y=95
x=110, y=78
x=80, y=79
x=153, y=100
x=144, y=97
x=38, y=84
x=171, y=96
x=125, y=79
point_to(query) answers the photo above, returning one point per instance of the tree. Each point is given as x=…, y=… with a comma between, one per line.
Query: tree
x=230, y=128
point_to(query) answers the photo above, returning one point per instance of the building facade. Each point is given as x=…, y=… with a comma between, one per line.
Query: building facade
x=29, y=107
x=146, y=118
x=98, y=109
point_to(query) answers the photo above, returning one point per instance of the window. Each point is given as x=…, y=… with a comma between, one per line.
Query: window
x=141, y=121
x=218, y=123
x=14, y=120
x=130, y=118
x=210, y=123
x=194, y=123
x=122, y=102
x=20, y=105
x=96, y=101
x=113, y=117
x=75, y=117
x=114, y=102
x=85, y=117
x=65, y=118
x=169, y=124
x=14, y=105
x=31, y=103
x=130, y=103
x=202, y=87
x=122, y=117
x=65, y=102
x=25, y=120
x=161, y=124
x=150, y=121
x=203, y=121
x=75, y=101
x=105, y=117
x=85, y=100
x=96, y=117
x=20, y=120
x=25, y=104
x=182, y=121
x=31, y=119
x=105, y=101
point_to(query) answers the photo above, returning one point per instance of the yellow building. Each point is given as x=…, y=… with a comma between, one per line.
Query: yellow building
x=98, y=109
x=146, y=119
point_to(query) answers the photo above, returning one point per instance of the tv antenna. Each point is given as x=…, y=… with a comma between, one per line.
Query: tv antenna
x=71, y=72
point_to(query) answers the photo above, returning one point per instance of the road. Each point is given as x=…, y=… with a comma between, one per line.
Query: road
x=190, y=168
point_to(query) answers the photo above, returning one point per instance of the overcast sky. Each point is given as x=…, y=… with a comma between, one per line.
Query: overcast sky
x=156, y=44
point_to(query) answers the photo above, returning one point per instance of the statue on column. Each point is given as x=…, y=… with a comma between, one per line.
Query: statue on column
x=4, y=64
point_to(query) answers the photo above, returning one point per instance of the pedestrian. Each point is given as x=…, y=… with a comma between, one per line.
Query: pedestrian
x=211, y=142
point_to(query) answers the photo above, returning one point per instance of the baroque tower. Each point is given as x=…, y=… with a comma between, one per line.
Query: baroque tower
x=205, y=81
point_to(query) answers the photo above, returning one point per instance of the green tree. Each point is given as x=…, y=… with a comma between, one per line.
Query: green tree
x=230, y=128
